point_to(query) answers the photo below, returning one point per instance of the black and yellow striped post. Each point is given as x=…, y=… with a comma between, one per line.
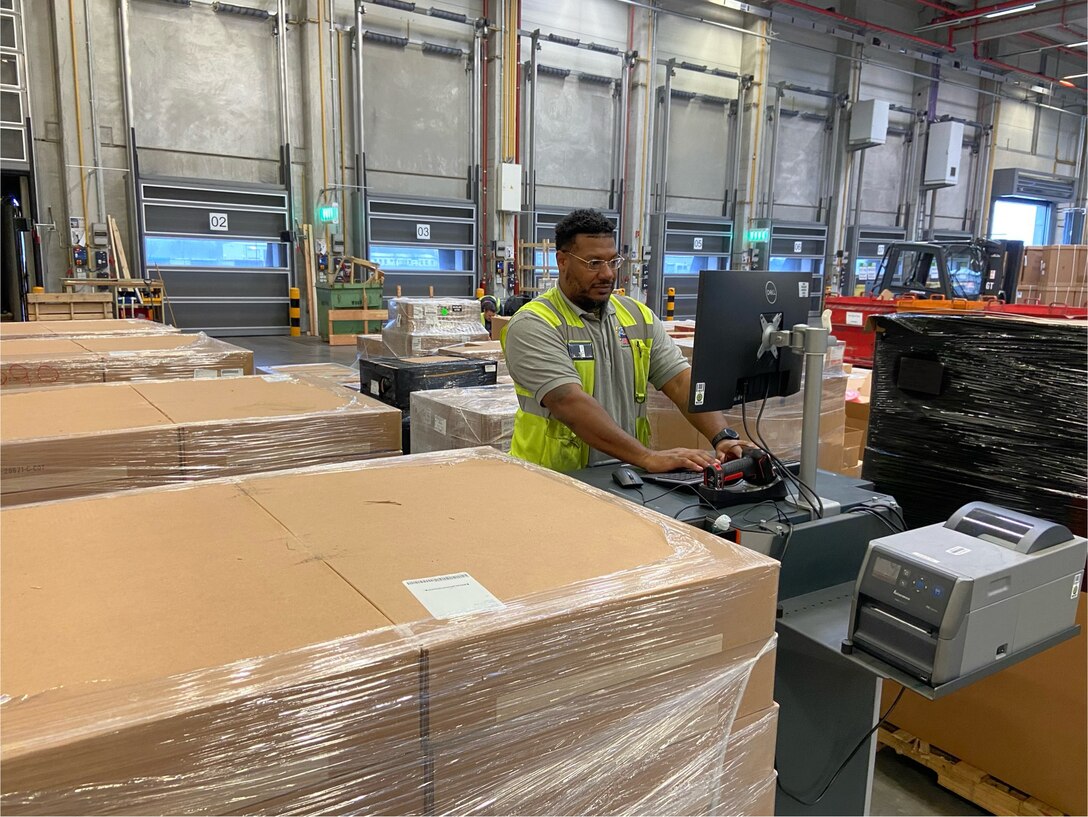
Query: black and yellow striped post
x=296, y=313
x=670, y=304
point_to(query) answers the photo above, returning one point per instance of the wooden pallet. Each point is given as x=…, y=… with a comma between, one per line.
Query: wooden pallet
x=964, y=779
x=352, y=315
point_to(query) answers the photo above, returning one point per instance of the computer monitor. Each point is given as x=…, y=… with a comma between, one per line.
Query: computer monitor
x=727, y=366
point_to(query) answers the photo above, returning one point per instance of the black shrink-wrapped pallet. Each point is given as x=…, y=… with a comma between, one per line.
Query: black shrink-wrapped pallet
x=980, y=407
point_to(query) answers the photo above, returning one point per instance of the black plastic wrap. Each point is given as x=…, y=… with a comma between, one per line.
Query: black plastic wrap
x=980, y=407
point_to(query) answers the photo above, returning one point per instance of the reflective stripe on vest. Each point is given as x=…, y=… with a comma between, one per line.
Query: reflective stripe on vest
x=539, y=437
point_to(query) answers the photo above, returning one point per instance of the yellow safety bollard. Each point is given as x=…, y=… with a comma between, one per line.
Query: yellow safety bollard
x=670, y=304
x=296, y=313
x=37, y=289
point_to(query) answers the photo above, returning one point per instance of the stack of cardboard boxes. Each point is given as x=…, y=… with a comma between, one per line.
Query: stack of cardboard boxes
x=267, y=658
x=73, y=441
x=107, y=327
x=1054, y=275
x=421, y=326
x=857, y=419
x=448, y=419
x=56, y=360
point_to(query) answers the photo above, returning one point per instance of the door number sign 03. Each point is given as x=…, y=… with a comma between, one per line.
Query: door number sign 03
x=218, y=222
x=423, y=232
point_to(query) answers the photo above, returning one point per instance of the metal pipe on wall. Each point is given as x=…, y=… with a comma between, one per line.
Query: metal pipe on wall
x=285, y=132
x=135, y=199
x=79, y=110
x=661, y=169
x=768, y=209
x=476, y=92
x=858, y=187
x=738, y=135
x=96, y=141
x=621, y=159
x=530, y=134
x=359, y=210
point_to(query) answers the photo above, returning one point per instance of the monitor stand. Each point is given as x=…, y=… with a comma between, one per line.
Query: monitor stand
x=811, y=343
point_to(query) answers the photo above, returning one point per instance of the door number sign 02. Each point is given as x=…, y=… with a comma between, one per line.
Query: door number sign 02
x=423, y=232
x=218, y=222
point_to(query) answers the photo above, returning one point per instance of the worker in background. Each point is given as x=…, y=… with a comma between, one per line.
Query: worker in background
x=489, y=307
x=582, y=360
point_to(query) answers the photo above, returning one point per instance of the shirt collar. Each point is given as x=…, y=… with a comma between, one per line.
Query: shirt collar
x=607, y=310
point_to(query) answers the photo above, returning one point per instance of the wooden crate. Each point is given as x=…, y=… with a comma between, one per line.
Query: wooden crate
x=69, y=306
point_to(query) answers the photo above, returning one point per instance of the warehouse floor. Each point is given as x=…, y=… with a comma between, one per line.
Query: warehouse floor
x=900, y=786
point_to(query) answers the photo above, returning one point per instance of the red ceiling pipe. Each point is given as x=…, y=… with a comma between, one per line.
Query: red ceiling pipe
x=938, y=6
x=872, y=26
x=955, y=15
x=1009, y=67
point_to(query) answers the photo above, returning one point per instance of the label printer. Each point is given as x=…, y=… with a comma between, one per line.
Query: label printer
x=945, y=600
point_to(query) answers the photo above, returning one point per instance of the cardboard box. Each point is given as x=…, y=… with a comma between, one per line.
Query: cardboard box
x=1025, y=725
x=83, y=328
x=480, y=350
x=158, y=357
x=448, y=419
x=51, y=361
x=30, y=363
x=179, y=653
x=780, y=426
x=371, y=346
x=497, y=324
x=77, y=440
x=479, y=637
x=336, y=373
x=1062, y=265
x=425, y=325
x=71, y=441
x=250, y=424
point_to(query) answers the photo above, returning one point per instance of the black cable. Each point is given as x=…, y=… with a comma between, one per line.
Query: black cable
x=849, y=757
x=780, y=466
x=667, y=491
x=872, y=511
x=692, y=505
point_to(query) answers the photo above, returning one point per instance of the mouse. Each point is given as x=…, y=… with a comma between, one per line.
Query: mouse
x=626, y=477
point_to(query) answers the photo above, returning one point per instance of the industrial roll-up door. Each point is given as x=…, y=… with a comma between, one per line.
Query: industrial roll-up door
x=219, y=251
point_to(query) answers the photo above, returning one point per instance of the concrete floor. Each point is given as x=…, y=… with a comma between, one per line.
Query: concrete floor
x=900, y=786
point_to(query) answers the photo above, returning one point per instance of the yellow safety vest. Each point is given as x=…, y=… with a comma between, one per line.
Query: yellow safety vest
x=541, y=438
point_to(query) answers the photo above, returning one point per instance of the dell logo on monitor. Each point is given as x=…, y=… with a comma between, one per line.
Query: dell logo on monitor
x=771, y=291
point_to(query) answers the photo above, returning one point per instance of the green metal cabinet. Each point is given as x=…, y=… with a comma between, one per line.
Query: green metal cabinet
x=347, y=296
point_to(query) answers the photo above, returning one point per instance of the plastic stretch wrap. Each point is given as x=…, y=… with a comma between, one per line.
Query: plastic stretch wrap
x=98, y=328
x=70, y=441
x=269, y=659
x=372, y=346
x=36, y=362
x=393, y=380
x=976, y=407
x=447, y=419
x=338, y=373
x=420, y=326
x=780, y=425
x=480, y=350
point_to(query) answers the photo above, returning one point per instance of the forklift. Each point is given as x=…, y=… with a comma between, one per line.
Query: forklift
x=974, y=270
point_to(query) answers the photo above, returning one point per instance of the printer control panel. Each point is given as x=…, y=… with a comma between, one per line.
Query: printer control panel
x=910, y=586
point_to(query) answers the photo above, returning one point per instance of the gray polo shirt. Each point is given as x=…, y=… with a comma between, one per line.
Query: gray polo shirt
x=539, y=361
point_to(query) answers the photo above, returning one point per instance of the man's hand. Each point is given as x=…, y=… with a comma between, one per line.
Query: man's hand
x=675, y=459
x=732, y=449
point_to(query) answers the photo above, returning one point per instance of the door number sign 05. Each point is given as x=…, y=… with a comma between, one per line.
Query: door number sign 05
x=218, y=222
x=423, y=232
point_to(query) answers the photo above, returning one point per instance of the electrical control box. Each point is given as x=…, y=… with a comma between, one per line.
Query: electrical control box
x=868, y=123
x=942, y=168
x=510, y=187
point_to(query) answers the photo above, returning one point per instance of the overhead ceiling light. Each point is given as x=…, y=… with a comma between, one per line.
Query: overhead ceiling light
x=1067, y=83
x=1074, y=76
x=1013, y=10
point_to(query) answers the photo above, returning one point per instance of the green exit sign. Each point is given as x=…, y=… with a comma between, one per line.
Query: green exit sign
x=328, y=214
x=757, y=235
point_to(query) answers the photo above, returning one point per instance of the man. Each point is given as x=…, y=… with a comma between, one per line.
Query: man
x=489, y=306
x=582, y=359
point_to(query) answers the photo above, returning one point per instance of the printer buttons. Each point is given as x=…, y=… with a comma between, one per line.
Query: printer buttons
x=919, y=585
x=938, y=591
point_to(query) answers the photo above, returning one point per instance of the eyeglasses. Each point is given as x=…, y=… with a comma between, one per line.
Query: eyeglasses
x=598, y=264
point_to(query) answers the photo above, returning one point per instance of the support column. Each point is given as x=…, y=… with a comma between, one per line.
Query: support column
x=755, y=62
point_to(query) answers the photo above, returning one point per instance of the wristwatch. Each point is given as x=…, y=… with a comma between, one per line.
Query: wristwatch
x=725, y=434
